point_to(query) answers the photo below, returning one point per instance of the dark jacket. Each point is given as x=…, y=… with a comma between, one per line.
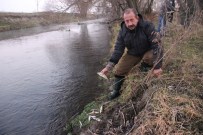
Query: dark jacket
x=137, y=41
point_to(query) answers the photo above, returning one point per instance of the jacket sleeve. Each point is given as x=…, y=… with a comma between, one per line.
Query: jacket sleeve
x=155, y=43
x=118, y=49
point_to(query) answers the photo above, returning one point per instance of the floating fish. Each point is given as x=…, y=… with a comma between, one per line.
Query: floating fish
x=101, y=109
x=94, y=118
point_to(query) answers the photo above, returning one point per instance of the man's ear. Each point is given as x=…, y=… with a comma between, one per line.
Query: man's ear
x=137, y=17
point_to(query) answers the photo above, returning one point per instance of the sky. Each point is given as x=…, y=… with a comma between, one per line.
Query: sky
x=26, y=6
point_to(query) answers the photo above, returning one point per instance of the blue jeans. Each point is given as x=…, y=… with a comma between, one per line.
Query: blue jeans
x=162, y=23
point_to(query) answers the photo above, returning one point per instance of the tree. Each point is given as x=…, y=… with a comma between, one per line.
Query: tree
x=142, y=6
x=83, y=7
x=80, y=6
x=189, y=10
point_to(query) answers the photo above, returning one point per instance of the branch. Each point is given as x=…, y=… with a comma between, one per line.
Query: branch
x=74, y=3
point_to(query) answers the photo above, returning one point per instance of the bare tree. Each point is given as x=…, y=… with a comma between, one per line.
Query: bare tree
x=83, y=7
x=189, y=9
x=142, y=6
x=55, y=5
x=80, y=6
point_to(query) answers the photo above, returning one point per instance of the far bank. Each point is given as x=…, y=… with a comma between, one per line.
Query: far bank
x=15, y=21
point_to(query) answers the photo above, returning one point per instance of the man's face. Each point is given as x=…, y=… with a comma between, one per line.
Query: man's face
x=130, y=20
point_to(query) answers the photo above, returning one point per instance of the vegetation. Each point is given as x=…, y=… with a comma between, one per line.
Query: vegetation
x=82, y=119
x=12, y=21
x=172, y=104
x=175, y=106
x=115, y=7
x=86, y=9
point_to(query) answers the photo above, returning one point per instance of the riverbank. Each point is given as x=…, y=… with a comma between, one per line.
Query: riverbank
x=171, y=104
x=14, y=21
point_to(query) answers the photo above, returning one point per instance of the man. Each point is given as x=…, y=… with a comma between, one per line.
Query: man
x=166, y=12
x=139, y=37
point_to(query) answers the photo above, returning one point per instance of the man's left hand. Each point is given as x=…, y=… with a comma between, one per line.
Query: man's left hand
x=157, y=72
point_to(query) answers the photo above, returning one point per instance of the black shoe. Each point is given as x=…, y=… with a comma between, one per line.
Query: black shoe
x=144, y=67
x=113, y=95
x=116, y=87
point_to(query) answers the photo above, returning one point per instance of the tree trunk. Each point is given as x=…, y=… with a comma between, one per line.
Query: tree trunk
x=83, y=7
x=133, y=4
x=189, y=10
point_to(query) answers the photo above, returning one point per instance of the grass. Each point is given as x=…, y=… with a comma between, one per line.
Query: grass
x=82, y=119
x=12, y=21
x=172, y=104
x=177, y=106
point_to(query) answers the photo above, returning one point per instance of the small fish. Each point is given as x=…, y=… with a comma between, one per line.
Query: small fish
x=102, y=75
x=80, y=124
x=94, y=118
x=101, y=109
x=94, y=112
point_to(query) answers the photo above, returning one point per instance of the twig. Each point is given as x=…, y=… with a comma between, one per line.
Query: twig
x=123, y=117
x=150, y=97
x=110, y=132
x=91, y=132
x=133, y=108
x=180, y=82
x=130, y=130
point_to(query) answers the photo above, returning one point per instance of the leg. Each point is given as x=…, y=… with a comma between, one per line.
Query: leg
x=163, y=28
x=147, y=62
x=126, y=63
x=148, y=57
x=160, y=23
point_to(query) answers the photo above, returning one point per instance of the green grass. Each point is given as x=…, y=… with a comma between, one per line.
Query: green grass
x=82, y=118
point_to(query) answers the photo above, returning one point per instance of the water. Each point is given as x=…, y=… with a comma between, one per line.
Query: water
x=47, y=78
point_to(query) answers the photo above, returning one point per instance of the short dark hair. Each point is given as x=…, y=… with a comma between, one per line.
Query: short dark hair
x=128, y=10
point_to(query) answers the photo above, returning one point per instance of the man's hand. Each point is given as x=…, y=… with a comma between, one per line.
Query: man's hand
x=157, y=72
x=108, y=68
x=105, y=71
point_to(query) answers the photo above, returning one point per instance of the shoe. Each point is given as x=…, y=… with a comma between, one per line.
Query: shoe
x=116, y=87
x=144, y=67
x=114, y=94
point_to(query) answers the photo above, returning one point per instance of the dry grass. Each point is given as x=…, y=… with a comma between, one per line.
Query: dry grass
x=176, y=108
x=173, y=104
x=170, y=105
x=12, y=21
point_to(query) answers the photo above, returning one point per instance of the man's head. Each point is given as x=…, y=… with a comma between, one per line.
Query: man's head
x=130, y=18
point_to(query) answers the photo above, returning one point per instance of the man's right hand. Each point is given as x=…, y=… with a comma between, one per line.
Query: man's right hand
x=105, y=71
x=108, y=68
x=157, y=72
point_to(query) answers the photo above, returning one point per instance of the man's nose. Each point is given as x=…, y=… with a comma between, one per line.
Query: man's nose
x=130, y=23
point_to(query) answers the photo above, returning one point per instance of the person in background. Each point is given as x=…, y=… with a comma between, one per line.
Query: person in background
x=140, y=39
x=166, y=12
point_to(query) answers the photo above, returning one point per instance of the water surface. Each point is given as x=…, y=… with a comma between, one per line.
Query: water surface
x=47, y=78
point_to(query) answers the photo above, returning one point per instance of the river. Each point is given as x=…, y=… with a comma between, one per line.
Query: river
x=47, y=78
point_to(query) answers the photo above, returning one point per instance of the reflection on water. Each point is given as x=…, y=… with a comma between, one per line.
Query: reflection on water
x=47, y=78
